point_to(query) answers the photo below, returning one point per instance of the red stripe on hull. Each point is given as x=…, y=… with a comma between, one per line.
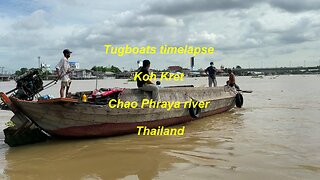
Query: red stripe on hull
x=114, y=129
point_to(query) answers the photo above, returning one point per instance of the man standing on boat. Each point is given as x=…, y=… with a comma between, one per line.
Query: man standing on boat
x=147, y=85
x=212, y=75
x=63, y=70
x=232, y=80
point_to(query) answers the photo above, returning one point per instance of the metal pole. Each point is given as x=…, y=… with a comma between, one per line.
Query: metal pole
x=96, y=81
x=39, y=61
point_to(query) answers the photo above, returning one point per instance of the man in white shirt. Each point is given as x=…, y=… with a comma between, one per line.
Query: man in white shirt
x=63, y=70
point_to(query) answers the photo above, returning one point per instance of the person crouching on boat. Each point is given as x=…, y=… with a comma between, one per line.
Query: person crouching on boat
x=232, y=80
x=212, y=75
x=63, y=70
x=147, y=85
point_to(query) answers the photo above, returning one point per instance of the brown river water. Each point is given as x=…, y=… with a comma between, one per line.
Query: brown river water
x=276, y=135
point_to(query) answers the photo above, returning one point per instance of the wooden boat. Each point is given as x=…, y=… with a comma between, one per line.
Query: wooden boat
x=70, y=117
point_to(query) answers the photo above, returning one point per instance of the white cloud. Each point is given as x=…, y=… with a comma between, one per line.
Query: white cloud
x=34, y=21
x=202, y=38
x=242, y=32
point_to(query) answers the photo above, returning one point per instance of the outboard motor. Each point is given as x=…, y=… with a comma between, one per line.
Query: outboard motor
x=21, y=129
x=29, y=84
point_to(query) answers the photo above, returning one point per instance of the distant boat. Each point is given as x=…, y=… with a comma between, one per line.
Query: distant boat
x=4, y=77
x=274, y=77
x=257, y=76
x=123, y=75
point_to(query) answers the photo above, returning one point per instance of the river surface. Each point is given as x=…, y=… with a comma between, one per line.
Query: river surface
x=276, y=135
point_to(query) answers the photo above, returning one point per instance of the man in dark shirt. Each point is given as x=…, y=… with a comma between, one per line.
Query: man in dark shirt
x=212, y=75
x=147, y=85
x=232, y=80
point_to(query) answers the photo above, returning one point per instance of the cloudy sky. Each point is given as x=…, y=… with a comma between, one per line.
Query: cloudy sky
x=249, y=33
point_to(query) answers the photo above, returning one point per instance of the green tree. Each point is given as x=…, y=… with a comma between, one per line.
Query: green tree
x=17, y=73
x=113, y=69
x=21, y=71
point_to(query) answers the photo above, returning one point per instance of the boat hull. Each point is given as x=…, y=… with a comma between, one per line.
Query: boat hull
x=73, y=119
x=115, y=129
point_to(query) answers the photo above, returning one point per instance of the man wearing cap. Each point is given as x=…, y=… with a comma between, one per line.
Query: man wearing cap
x=212, y=75
x=63, y=70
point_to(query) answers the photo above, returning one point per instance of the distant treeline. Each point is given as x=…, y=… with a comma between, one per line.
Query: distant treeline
x=24, y=70
x=113, y=69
